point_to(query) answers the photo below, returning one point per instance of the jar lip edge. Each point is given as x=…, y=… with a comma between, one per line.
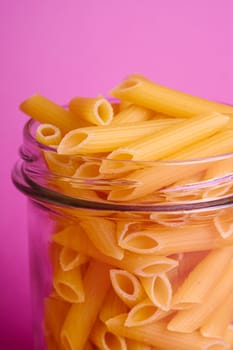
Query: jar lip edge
x=29, y=137
x=29, y=188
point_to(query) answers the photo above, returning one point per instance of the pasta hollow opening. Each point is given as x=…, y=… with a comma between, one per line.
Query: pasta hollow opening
x=125, y=284
x=143, y=313
x=140, y=242
x=104, y=111
x=128, y=84
x=71, y=142
x=111, y=341
x=48, y=131
x=68, y=292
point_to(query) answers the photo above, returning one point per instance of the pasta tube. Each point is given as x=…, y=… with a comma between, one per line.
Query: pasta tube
x=223, y=222
x=172, y=240
x=171, y=139
x=159, y=290
x=112, y=306
x=99, y=139
x=135, y=345
x=202, y=278
x=105, y=340
x=216, y=325
x=141, y=91
x=145, y=312
x=132, y=114
x=126, y=286
x=96, y=111
x=145, y=266
x=157, y=335
x=55, y=311
x=45, y=111
x=102, y=233
x=82, y=316
x=48, y=134
x=188, y=320
x=69, y=259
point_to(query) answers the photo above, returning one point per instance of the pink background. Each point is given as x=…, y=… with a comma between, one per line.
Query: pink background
x=63, y=48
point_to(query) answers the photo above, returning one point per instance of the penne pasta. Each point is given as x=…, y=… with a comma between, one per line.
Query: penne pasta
x=70, y=259
x=102, y=233
x=161, y=175
x=171, y=139
x=126, y=286
x=132, y=114
x=48, y=134
x=159, y=290
x=135, y=345
x=96, y=111
x=112, y=306
x=59, y=164
x=172, y=240
x=82, y=316
x=141, y=91
x=223, y=222
x=186, y=321
x=145, y=312
x=145, y=266
x=202, y=278
x=170, y=219
x=105, y=340
x=218, y=322
x=43, y=110
x=157, y=335
x=55, y=311
x=228, y=336
x=67, y=284
x=102, y=139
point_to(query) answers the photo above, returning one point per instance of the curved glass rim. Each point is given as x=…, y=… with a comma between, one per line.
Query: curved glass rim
x=28, y=135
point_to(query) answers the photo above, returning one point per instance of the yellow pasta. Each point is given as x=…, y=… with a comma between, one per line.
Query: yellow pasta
x=223, y=222
x=82, y=316
x=126, y=286
x=112, y=306
x=48, y=134
x=132, y=114
x=96, y=111
x=105, y=340
x=161, y=175
x=170, y=219
x=135, y=345
x=186, y=321
x=102, y=233
x=157, y=335
x=216, y=325
x=145, y=266
x=69, y=284
x=228, y=336
x=159, y=290
x=45, y=111
x=69, y=259
x=171, y=139
x=136, y=89
x=172, y=240
x=145, y=312
x=103, y=139
x=60, y=164
x=55, y=311
x=202, y=278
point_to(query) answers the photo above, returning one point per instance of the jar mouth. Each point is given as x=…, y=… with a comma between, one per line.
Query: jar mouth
x=168, y=185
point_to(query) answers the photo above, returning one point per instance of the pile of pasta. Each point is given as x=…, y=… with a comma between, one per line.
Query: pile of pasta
x=128, y=280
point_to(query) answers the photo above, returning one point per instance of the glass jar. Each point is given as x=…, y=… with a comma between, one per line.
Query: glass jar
x=128, y=255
